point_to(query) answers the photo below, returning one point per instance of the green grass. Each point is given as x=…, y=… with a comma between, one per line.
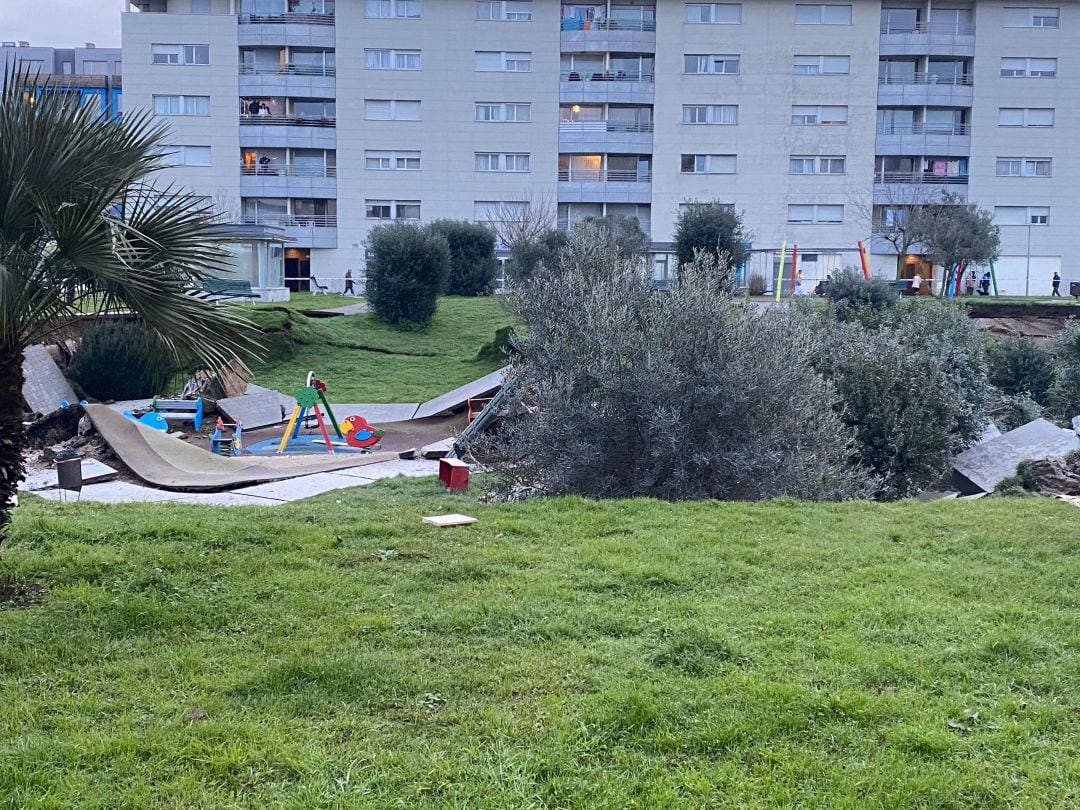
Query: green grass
x=362, y=359
x=306, y=300
x=559, y=653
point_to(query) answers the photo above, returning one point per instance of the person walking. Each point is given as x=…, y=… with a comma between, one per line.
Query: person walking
x=349, y=283
x=916, y=283
x=1056, y=284
x=969, y=282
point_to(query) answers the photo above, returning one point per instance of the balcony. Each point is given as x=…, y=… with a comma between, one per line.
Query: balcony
x=301, y=230
x=630, y=36
x=291, y=29
x=606, y=87
x=892, y=188
x=920, y=138
x=927, y=39
x=298, y=81
x=287, y=131
x=606, y=136
x=287, y=181
x=289, y=18
x=925, y=90
x=605, y=185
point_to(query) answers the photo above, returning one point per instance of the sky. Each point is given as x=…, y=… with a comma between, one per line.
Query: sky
x=62, y=23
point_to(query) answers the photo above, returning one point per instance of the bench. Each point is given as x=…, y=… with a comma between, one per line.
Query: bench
x=225, y=289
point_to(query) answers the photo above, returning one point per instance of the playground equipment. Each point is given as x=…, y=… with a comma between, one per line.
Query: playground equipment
x=163, y=411
x=358, y=435
x=221, y=446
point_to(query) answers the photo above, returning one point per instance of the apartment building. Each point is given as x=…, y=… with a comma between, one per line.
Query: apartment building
x=89, y=73
x=821, y=122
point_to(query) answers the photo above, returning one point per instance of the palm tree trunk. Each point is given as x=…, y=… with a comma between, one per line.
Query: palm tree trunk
x=12, y=435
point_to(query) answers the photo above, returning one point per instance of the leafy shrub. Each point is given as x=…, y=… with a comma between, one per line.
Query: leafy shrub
x=757, y=284
x=497, y=350
x=1016, y=410
x=711, y=228
x=621, y=391
x=118, y=359
x=407, y=270
x=473, y=266
x=625, y=232
x=1019, y=366
x=1065, y=391
x=527, y=256
x=914, y=390
x=851, y=293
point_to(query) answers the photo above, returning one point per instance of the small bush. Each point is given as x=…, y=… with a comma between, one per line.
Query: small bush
x=757, y=284
x=1065, y=390
x=120, y=360
x=407, y=270
x=1016, y=410
x=625, y=232
x=1018, y=366
x=527, y=257
x=851, y=293
x=473, y=266
x=914, y=390
x=498, y=349
x=712, y=228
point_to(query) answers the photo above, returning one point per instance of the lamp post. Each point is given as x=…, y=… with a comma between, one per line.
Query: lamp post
x=1027, y=270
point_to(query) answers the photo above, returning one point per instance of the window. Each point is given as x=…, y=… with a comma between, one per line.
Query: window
x=899, y=20
x=715, y=13
x=504, y=61
x=189, y=155
x=182, y=105
x=709, y=63
x=382, y=109
x=1013, y=17
x=497, y=211
x=386, y=59
x=94, y=67
x=822, y=15
x=708, y=164
x=1024, y=66
x=824, y=214
x=180, y=54
x=392, y=209
x=499, y=162
x=822, y=65
x=511, y=112
x=804, y=115
x=509, y=10
x=1025, y=116
x=813, y=164
x=1021, y=215
x=710, y=113
x=391, y=161
x=402, y=9
x=1023, y=167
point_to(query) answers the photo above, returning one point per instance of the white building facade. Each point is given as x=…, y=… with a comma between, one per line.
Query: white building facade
x=816, y=120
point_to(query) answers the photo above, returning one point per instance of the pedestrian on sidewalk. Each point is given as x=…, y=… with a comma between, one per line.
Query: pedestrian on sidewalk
x=349, y=283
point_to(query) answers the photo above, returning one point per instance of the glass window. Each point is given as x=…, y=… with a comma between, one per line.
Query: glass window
x=801, y=165
x=822, y=14
x=715, y=13
x=829, y=213
x=899, y=20
x=378, y=209
x=800, y=213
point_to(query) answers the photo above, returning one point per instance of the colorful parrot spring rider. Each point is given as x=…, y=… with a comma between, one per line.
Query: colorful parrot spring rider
x=354, y=434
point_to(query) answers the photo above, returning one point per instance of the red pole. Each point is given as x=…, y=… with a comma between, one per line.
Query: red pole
x=863, y=260
x=322, y=428
x=794, y=259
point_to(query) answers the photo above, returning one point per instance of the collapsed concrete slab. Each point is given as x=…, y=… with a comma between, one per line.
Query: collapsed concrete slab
x=93, y=471
x=259, y=407
x=984, y=466
x=458, y=398
x=44, y=386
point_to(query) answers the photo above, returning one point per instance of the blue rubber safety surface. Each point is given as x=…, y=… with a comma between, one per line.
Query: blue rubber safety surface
x=302, y=445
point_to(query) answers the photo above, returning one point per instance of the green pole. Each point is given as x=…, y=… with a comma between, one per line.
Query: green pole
x=993, y=277
x=330, y=413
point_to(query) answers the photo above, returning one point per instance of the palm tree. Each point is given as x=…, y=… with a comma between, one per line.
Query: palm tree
x=84, y=229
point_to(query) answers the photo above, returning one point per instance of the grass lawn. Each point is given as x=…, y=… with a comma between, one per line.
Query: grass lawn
x=362, y=359
x=306, y=300
x=559, y=653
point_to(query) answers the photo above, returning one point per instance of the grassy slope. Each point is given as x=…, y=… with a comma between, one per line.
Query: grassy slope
x=556, y=654
x=407, y=366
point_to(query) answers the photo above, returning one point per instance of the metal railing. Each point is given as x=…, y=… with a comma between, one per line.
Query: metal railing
x=924, y=28
x=286, y=171
x=965, y=80
x=287, y=70
x=918, y=177
x=287, y=120
x=604, y=176
x=286, y=17
x=924, y=128
x=598, y=127
x=605, y=76
x=574, y=24
x=292, y=220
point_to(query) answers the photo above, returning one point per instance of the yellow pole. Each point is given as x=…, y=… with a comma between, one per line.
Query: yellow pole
x=780, y=272
x=289, y=429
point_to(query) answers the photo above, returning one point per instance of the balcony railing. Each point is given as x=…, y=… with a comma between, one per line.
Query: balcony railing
x=918, y=177
x=574, y=24
x=598, y=127
x=288, y=17
x=936, y=29
x=287, y=70
x=928, y=78
x=287, y=121
x=292, y=220
x=604, y=176
x=924, y=128
x=287, y=171
x=605, y=76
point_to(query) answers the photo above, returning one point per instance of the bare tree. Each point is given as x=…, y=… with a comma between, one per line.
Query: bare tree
x=523, y=218
x=891, y=211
